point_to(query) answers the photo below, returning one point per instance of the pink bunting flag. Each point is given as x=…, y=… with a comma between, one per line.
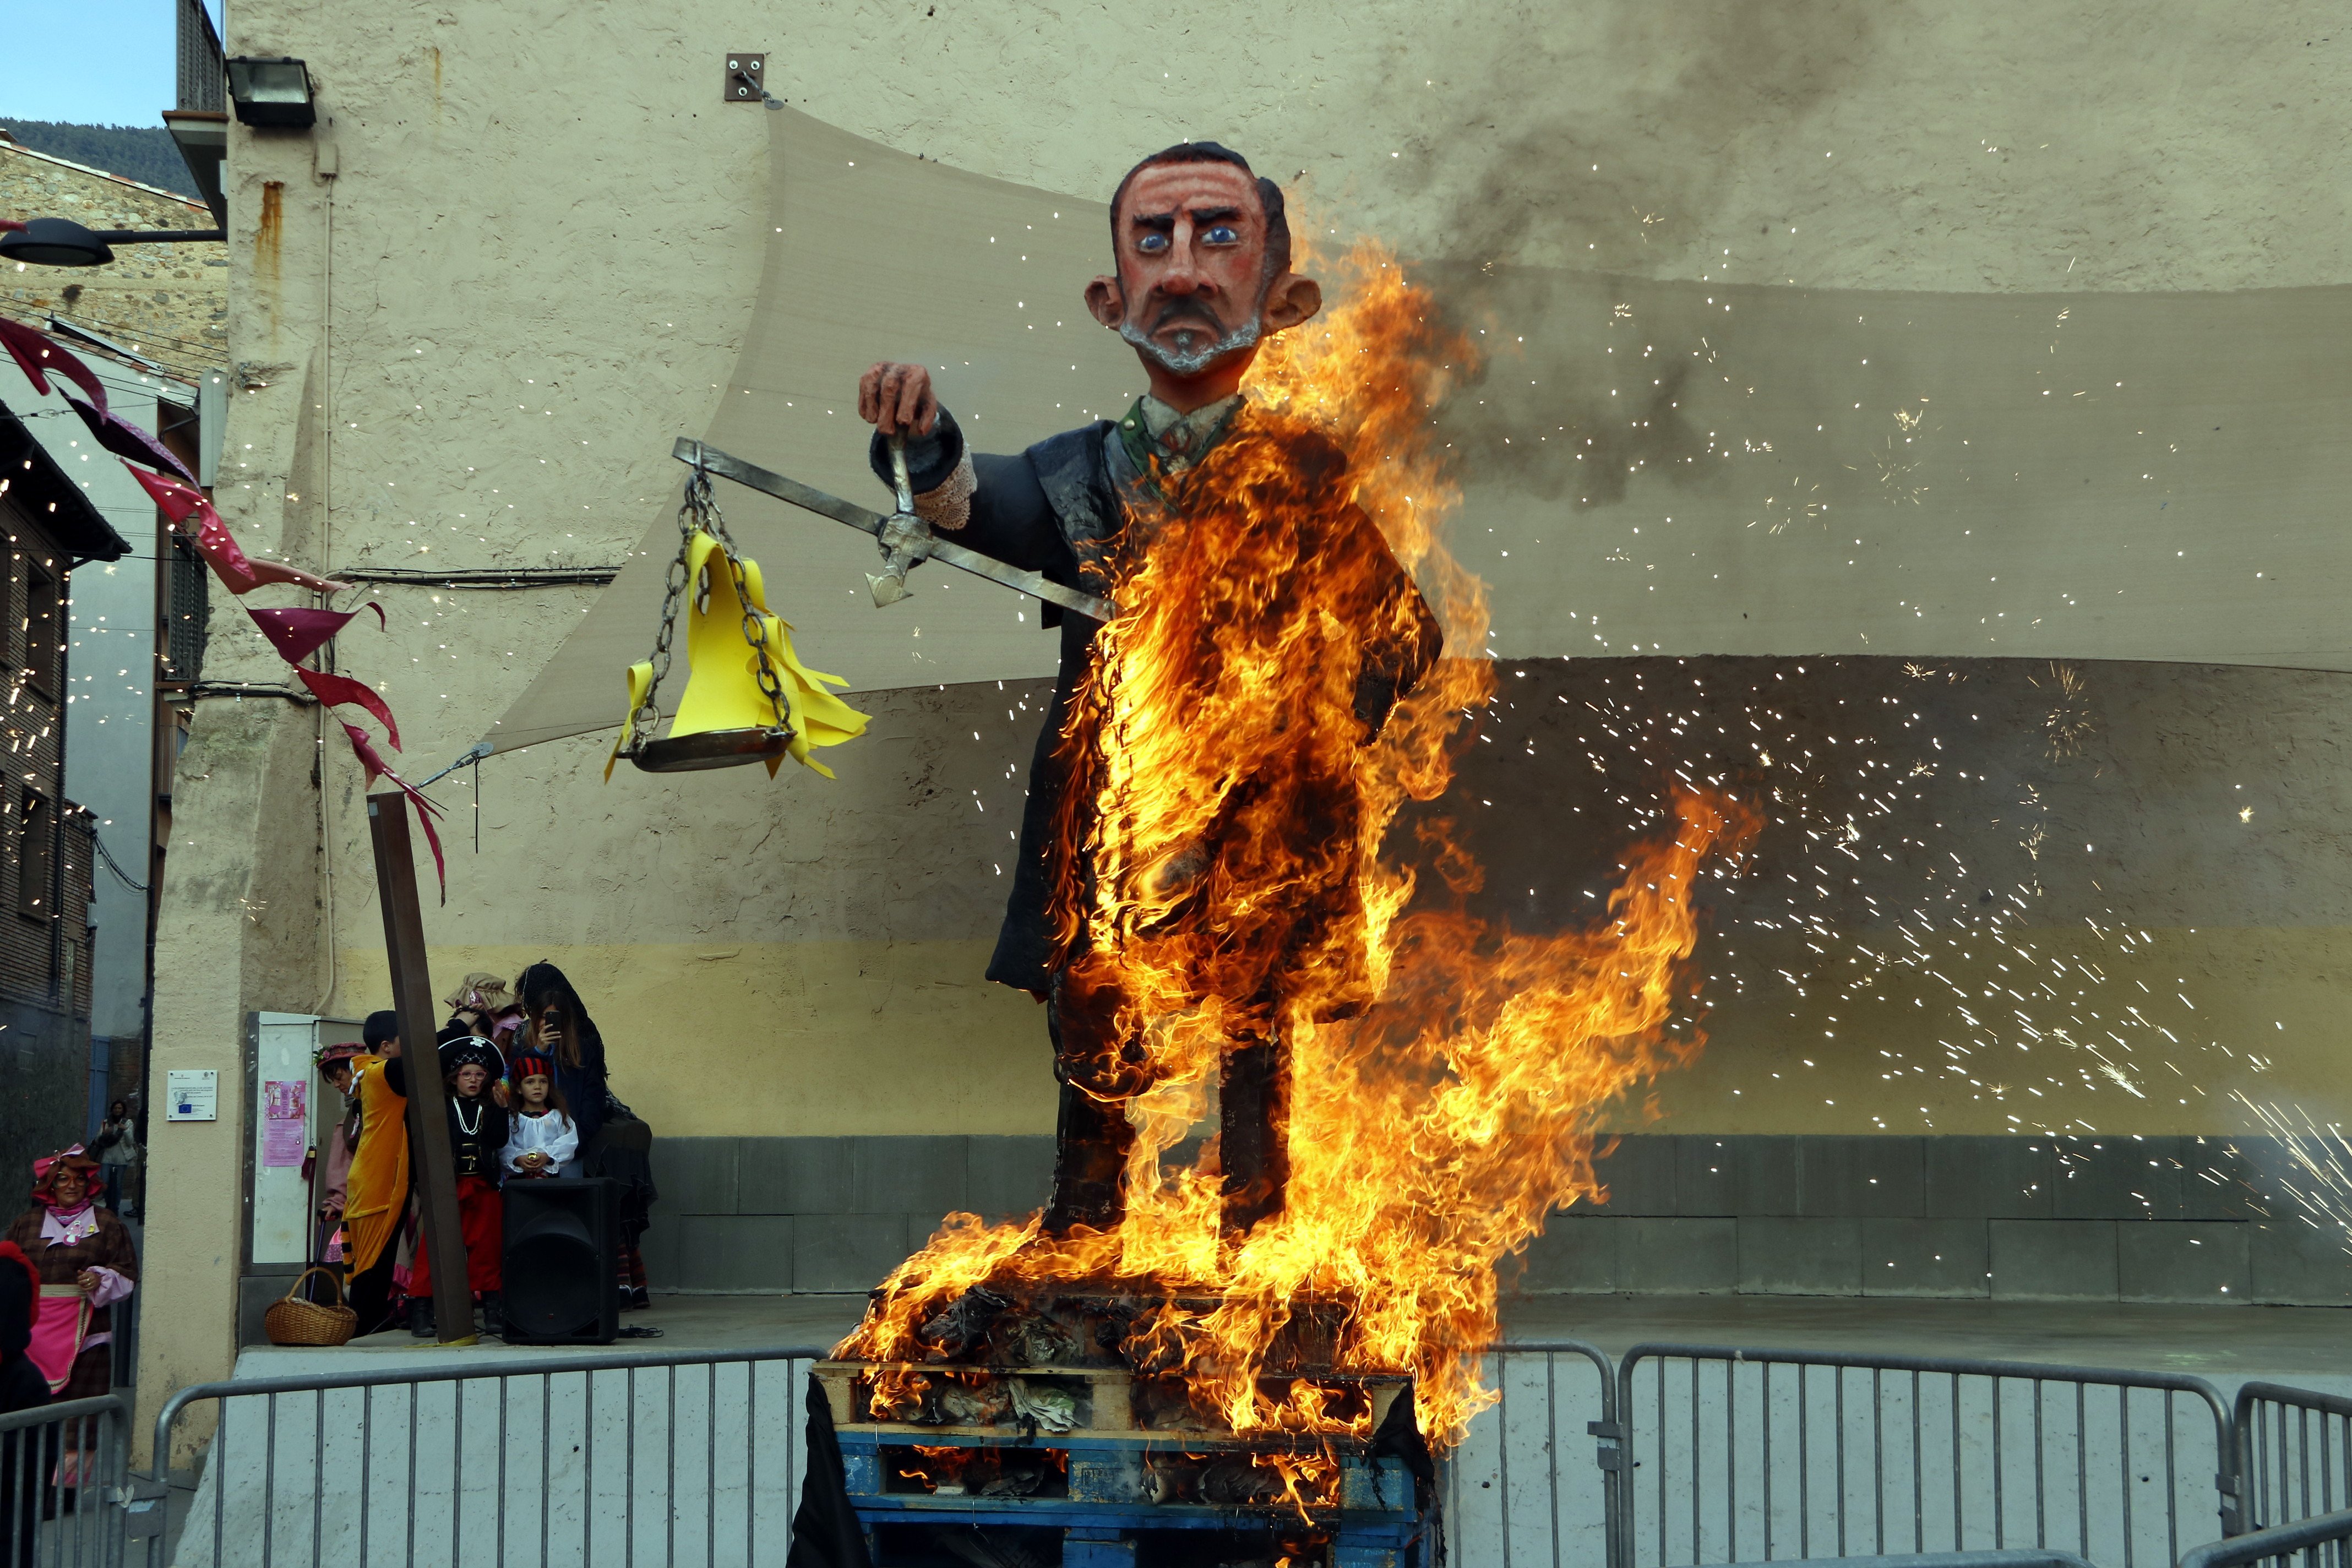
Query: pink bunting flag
x=126, y=441
x=298, y=634
x=295, y=633
x=37, y=356
x=175, y=499
x=217, y=546
x=332, y=690
x=373, y=760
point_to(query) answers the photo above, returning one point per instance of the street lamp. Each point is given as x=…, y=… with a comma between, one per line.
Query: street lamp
x=62, y=242
x=274, y=94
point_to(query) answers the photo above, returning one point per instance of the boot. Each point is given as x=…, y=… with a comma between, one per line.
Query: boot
x=420, y=1320
x=494, y=1318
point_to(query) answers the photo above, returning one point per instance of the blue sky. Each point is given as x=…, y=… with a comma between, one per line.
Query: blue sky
x=94, y=62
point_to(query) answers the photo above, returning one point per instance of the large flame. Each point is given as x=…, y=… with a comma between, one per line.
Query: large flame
x=1230, y=809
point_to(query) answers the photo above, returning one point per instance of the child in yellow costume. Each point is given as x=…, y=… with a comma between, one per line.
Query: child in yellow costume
x=376, y=1191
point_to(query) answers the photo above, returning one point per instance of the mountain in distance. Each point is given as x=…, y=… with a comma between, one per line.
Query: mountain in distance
x=140, y=152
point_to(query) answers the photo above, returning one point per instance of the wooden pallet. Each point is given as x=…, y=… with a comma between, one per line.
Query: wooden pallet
x=1111, y=1482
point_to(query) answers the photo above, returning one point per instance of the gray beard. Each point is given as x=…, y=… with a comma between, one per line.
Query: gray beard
x=1177, y=363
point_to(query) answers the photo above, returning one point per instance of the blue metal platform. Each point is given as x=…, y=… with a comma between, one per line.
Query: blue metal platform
x=1114, y=1494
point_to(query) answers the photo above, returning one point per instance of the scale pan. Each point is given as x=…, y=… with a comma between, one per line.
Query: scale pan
x=711, y=748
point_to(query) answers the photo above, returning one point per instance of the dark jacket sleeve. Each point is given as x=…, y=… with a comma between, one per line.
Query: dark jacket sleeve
x=1394, y=667
x=1011, y=518
x=929, y=459
x=1406, y=638
x=15, y=1308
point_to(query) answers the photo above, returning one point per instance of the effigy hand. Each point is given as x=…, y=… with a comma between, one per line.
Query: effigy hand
x=897, y=399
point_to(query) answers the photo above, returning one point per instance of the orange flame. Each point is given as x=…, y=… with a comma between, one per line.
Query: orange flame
x=1231, y=804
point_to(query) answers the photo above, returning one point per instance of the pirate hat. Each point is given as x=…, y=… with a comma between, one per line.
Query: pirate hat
x=471, y=1051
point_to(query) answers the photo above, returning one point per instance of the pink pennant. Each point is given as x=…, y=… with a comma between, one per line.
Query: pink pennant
x=36, y=355
x=175, y=499
x=124, y=440
x=218, y=546
x=296, y=634
x=373, y=760
x=332, y=690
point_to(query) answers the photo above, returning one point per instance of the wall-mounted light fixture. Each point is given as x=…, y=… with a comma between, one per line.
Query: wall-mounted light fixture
x=62, y=242
x=272, y=94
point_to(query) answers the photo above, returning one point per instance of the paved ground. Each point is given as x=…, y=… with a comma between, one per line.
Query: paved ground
x=2221, y=1343
x=2227, y=1343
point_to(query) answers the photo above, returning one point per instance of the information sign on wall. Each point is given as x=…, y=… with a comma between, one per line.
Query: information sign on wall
x=191, y=1095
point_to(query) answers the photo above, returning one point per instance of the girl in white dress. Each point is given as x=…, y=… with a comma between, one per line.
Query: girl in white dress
x=543, y=1140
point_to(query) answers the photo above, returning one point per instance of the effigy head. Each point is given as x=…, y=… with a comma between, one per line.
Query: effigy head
x=1202, y=249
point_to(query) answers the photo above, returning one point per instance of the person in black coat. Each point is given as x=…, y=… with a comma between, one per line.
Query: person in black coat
x=22, y=1388
x=613, y=1142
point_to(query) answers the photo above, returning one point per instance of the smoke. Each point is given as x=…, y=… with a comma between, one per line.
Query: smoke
x=1624, y=160
x=1570, y=400
x=1632, y=128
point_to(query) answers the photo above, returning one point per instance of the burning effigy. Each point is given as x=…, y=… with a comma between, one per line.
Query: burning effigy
x=1308, y=1100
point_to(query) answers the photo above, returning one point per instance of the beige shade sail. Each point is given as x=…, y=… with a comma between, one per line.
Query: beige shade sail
x=876, y=255
x=1679, y=467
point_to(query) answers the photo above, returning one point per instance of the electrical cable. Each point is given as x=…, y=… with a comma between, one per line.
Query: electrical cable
x=112, y=864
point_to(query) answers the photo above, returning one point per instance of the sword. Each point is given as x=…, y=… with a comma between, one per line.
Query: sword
x=906, y=539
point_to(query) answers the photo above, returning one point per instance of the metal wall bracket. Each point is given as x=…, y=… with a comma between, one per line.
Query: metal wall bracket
x=747, y=75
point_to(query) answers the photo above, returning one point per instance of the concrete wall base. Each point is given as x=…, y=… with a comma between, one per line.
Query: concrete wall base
x=2025, y=1218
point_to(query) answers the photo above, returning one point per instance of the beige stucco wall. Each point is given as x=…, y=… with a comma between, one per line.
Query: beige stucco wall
x=546, y=234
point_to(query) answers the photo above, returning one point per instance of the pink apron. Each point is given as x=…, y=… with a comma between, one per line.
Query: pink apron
x=60, y=1325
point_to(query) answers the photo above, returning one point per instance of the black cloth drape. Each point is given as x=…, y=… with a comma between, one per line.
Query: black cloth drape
x=826, y=1532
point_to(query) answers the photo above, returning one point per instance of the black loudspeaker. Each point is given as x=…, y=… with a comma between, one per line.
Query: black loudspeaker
x=559, y=1274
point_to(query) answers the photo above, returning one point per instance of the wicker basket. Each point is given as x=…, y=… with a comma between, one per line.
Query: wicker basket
x=294, y=1321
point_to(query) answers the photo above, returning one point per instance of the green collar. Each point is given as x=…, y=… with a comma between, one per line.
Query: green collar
x=1194, y=436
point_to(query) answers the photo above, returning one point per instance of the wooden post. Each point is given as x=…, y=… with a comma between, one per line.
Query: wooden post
x=430, y=1158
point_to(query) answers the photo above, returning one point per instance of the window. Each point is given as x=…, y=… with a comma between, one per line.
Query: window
x=44, y=629
x=187, y=613
x=37, y=833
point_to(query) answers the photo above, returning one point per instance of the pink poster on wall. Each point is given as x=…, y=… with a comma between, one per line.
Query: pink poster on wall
x=285, y=1121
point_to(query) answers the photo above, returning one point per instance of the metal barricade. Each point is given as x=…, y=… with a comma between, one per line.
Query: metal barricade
x=1703, y=1455
x=2295, y=1453
x=569, y=1461
x=1734, y=1454
x=2024, y=1557
x=1517, y=1492
x=62, y=1474
x=2320, y=1543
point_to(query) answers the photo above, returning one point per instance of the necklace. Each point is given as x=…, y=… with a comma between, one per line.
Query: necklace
x=458, y=1109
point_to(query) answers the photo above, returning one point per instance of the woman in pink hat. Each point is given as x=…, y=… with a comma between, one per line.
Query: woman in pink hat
x=86, y=1264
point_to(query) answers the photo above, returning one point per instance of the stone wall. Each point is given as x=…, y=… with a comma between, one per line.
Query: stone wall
x=167, y=303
